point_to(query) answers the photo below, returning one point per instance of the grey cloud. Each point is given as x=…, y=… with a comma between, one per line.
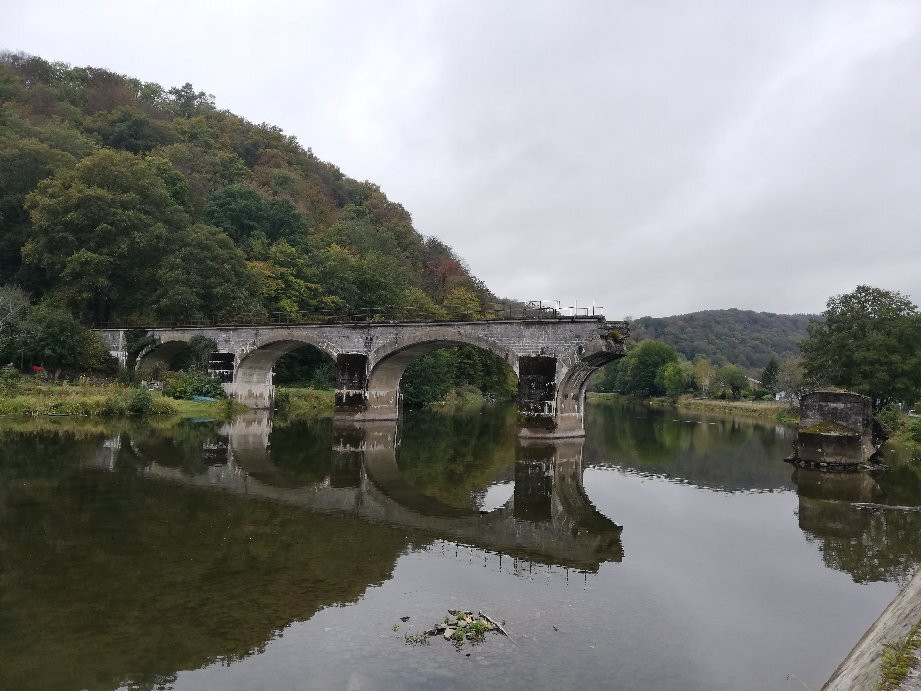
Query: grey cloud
x=656, y=157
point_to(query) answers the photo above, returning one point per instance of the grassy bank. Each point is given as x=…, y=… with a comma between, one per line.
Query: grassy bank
x=32, y=397
x=762, y=410
x=305, y=402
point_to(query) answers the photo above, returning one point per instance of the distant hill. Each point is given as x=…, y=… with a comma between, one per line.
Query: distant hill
x=127, y=201
x=742, y=337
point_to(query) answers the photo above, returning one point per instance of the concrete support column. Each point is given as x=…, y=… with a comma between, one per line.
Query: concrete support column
x=537, y=408
x=359, y=398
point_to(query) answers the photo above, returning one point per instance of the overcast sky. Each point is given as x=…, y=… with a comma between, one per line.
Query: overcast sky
x=658, y=158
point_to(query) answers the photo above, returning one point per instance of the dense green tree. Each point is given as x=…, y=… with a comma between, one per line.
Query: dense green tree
x=769, y=375
x=306, y=367
x=53, y=338
x=131, y=130
x=869, y=342
x=670, y=379
x=99, y=231
x=428, y=379
x=23, y=163
x=638, y=371
x=205, y=276
x=241, y=211
x=461, y=303
x=730, y=380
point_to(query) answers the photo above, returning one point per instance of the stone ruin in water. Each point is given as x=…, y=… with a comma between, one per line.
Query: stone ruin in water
x=836, y=429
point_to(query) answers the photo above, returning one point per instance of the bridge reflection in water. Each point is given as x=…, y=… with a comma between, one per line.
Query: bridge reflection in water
x=548, y=519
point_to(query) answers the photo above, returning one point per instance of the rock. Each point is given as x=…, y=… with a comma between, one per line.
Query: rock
x=448, y=633
x=463, y=624
x=404, y=619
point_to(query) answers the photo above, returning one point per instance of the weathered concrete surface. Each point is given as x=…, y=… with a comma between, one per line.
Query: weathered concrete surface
x=836, y=428
x=860, y=669
x=557, y=357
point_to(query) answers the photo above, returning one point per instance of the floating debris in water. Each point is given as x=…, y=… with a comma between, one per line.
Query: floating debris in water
x=458, y=627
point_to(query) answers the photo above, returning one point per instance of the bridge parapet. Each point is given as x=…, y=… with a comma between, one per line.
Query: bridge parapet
x=552, y=359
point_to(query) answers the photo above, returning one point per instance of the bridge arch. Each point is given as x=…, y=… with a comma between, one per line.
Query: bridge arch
x=570, y=395
x=389, y=362
x=252, y=381
x=160, y=356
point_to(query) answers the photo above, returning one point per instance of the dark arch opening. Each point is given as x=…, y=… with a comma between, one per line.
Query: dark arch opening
x=196, y=354
x=259, y=365
x=305, y=367
x=459, y=372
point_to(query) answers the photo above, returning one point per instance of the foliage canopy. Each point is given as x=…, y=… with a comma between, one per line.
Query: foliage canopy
x=869, y=342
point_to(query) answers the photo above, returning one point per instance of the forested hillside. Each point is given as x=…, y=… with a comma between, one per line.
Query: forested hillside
x=741, y=337
x=124, y=200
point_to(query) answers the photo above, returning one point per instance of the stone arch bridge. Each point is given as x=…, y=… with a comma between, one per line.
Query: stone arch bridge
x=552, y=358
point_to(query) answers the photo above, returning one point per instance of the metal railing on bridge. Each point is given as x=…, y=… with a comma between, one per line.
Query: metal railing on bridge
x=530, y=311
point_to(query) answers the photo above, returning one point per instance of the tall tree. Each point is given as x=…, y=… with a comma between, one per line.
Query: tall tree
x=732, y=378
x=869, y=342
x=205, y=276
x=99, y=231
x=23, y=163
x=640, y=369
x=769, y=375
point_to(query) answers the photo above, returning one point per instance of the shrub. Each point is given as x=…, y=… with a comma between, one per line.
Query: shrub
x=140, y=402
x=188, y=384
x=162, y=406
x=116, y=404
x=914, y=430
x=10, y=380
x=282, y=400
x=890, y=417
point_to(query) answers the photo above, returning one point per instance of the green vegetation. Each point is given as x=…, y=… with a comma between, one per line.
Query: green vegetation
x=899, y=659
x=748, y=339
x=870, y=343
x=652, y=368
x=124, y=201
x=30, y=396
x=189, y=384
x=462, y=374
x=295, y=402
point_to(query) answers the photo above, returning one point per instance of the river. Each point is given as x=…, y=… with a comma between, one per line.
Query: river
x=666, y=550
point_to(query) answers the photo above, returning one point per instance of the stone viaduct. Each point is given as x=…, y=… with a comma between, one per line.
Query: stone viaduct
x=552, y=358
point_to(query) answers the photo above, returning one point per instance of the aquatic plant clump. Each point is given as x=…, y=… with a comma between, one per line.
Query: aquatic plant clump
x=459, y=627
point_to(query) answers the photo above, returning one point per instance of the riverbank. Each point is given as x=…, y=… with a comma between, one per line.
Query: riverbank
x=886, y=650
x=774, y=411
x=35, y=398
x=305, y=402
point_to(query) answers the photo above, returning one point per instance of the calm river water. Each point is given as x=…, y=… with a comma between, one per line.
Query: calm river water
x=664, y=551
